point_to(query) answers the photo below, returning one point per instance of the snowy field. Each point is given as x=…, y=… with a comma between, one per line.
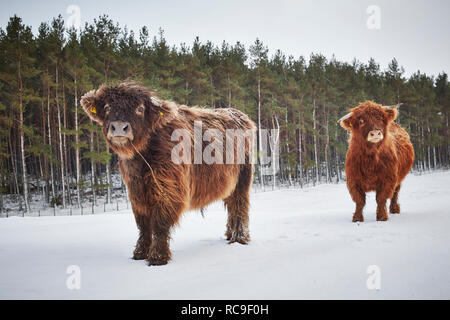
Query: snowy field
x=304, y=246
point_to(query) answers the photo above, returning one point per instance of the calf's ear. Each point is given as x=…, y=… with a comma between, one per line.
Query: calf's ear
x=90, y=105
x=390, y=114
x=346, y=122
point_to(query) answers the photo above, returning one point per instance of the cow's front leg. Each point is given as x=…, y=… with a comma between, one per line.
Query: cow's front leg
x=384, y=192
x=144, y=240
x=159, y=251
x=394, y=207
x=165, y=211
x=359, y=197
x=381, y=206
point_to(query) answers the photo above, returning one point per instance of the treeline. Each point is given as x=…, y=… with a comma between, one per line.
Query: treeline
x=48, y=146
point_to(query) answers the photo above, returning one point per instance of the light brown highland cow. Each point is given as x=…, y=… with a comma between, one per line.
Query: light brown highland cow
x=139, y=128
x=379, y=157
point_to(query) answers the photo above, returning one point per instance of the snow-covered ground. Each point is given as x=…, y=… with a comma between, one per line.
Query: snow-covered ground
x=304, y=246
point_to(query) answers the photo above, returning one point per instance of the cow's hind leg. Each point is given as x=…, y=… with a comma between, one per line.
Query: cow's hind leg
x=359, y=197
x=394, y=207
x=143, y=242
x=238, y=205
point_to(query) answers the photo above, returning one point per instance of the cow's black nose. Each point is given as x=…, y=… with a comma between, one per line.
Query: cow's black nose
x=119, y=129
x=375, y=133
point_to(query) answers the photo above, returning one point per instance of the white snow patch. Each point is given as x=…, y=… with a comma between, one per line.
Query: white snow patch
x=304, y=246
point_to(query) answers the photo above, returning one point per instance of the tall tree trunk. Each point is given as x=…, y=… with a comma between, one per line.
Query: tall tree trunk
x=428, y=149
x=108, y=178
x=398, y=102
x=300, y=148
x=261, y=177
x=77, y=146
x=274, y=140
x=186, y=86
x=229, y=90
x=91, y=140
x=22, y=143
x=447, y=144
x=338, y=170
x=316, y=161
x=41, y=170
x=61, y=153
x=288, y=148
x=424, y=153
x=16, y=175
x=327, y=144
x=108, y=173
x=52, y=177
x=434, y=158
x=212, y=91
x=66, y=158
x=44, y=138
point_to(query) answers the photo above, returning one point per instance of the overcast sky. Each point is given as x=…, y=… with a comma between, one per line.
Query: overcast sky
x=416, y=32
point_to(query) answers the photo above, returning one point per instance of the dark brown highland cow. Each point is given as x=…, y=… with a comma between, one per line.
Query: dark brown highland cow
x=379, y=157
x=139, y=127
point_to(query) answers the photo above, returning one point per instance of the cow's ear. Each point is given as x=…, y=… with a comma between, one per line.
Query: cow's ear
x=90, y=104
x=347, y=124
x=390, y=114
x=165, y=111
x=346, y=121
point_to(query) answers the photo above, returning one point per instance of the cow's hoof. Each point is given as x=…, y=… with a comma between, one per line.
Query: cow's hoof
x=239, y=238
x=157, y=262
x=394, y=209
x=157, y=259
x=139, y=255
x=357, y=218
x=382, y=218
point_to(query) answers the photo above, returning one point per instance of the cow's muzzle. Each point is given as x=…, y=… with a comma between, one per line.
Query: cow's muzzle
x=120, y=132
x=375, y=136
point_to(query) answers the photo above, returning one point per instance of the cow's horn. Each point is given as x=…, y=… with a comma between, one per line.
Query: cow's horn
x=393, y=107
x=156, y=101
x=348, y=115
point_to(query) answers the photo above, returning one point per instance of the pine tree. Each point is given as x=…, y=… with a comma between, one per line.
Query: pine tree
x=19, y=47
x=75, y=68
x=259, y=58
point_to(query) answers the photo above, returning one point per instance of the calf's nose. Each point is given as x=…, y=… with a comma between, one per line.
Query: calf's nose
x=120, y=128
x=375, y=134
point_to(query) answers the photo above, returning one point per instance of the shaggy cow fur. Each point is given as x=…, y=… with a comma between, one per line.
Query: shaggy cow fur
x=159, y=189
x=379, y=156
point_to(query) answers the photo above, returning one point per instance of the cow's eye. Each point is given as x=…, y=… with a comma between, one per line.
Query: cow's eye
x=361, y=121
x=140, y=109
x=107, y=109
